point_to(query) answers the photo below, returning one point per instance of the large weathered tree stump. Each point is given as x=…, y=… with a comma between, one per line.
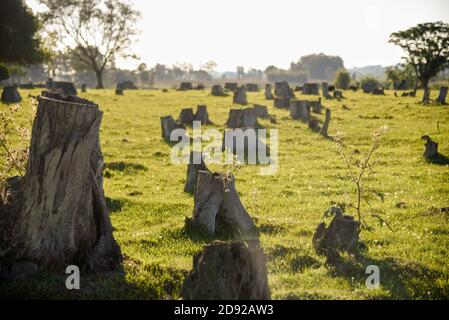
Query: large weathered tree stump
x=228, y=271
x=119, y=91
x=431, y=150
x=231, y=86
x=240, y=96
x=185, y=86
x=168, y=124
x=327, y=121
x=281, y=103
x=127, y=85
x=217, y=90
x=342, y=234
x=299, y=110
x=252, y=87
x=310, y=88
x=261, y=111
x=202, y=115
x=58, y=215
x=186, y=116
x=268, y=93
x=325, y=89
x=10, y=94
x=442, y=95
x=379, y=92
x=283, y=90
x=192, y=171
x=242, y=118
x=218, y=209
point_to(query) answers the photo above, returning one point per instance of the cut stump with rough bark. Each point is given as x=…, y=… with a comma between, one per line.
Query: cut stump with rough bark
x=10, y=94
x=234, y=270
x=325, y=89
x=64, y=87
x=268, y=93
x=299, y=110
x=217, y=207
x=242, y=118
x=217, y=90
x=342, y=234
x=59, y=215
x=240, y=96
x=119, y=91
x=310, y=88
x=186, y=116
x=261, y=111
x=196, y=164
x=327, y=120
x=442, y=95
x=202, y=115
x=281, y=103
x=431, y=150
x=168, y=125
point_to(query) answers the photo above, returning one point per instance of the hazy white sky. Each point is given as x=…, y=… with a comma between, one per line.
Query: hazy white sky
x=258, y=33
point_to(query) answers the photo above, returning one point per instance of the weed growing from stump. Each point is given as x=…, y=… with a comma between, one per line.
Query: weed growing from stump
x=358, y=170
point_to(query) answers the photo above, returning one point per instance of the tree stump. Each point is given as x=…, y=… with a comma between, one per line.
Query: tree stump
x=442, y=95
x=127, y=85
x=192, y=171
x=240, y=96
x=378, y=91
x=186, y=116
x=217, y=90
x=283, y=90
x=310, y=88
x=231, y=86
x=83, y=87
x=64, y=87
x=252, y=87
x=342, y=234
x=281, y=103
x=325, y=88
x=261, y=111
x=431, y=150
x=327, y=121
x=242, y=118
x=338, y=94
x=299, y=110
x=10, y=94
x=228, y=271
x=185, y=86
x=59, y=215
x=268, y=94
x=168, y=124
x=202, y=115
x=119, y=91
x=217, y=207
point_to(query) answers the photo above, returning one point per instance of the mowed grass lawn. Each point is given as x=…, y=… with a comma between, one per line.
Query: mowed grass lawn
x=148, y=205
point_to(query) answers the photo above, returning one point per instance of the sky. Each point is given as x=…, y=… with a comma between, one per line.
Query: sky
x=259, y=33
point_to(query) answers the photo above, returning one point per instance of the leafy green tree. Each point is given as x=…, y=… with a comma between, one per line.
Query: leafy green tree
x=342, y=79
x=95, y=31
x=401, y=76
x=427, y=48
x=19, y=42
x=318, y=66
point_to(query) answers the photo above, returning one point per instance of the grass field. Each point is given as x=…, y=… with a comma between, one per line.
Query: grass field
x=148, y=205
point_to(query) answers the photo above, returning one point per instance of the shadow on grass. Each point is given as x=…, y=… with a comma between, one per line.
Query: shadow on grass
x=158, y=282
x=439, y=159
x=127, y=167
x=402, y=280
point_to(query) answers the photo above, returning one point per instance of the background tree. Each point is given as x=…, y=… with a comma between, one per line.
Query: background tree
x=318, y=66
x=342, y=79
x=427, y=48
x=19, y=42
x=401, y=76
x=95, y=31
x=209, y=66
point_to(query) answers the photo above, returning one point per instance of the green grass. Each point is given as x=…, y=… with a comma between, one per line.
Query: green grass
x=148, y=205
